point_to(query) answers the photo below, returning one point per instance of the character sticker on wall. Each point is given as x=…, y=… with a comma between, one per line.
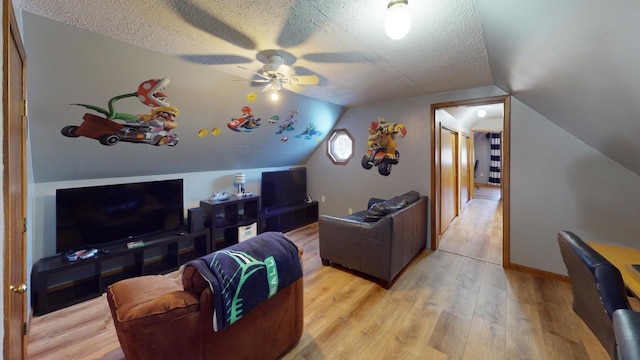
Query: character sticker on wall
x=309, y=132
x=382, y=145
x=287, y=124
x=204, y=132
x=112, y=127
x=245, y=123
x=274, y=119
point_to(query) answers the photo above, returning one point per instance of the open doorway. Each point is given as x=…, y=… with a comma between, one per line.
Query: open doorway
x=479, y=187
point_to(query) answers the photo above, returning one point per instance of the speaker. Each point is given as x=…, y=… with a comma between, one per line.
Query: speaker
x=195, y=219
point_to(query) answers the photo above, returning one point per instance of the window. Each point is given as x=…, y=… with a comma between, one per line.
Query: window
x=340, y=146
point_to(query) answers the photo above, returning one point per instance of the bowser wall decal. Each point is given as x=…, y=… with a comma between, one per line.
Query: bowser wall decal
x=382, y=145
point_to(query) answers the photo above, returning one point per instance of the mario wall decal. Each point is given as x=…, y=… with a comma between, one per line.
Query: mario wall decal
x=112, y=127
x=382, y=150
x=245, y=123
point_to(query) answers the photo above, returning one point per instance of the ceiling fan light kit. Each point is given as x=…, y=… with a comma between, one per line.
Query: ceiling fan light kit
x=398, y=20
x=279, y=76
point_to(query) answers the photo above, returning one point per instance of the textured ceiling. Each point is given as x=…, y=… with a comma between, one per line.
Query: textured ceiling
x=343, y=42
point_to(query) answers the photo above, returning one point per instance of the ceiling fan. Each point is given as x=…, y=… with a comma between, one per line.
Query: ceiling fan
x=279, y=76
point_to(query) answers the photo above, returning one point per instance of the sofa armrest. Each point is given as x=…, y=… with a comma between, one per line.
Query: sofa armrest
x=626, y=328
x=192, y=281
x=374, y=201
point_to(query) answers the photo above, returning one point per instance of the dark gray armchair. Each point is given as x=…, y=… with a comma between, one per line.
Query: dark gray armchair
x=379, y=241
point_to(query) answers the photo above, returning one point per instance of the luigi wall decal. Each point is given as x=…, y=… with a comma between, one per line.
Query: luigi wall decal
x=113, y=127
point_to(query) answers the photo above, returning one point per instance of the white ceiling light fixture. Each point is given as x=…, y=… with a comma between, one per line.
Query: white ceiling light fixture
x=398, y=20
x=482, y=113
x=275, y=96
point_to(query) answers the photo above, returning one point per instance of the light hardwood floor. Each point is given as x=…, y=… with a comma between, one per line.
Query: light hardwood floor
x=477, y=232
x=443, y=306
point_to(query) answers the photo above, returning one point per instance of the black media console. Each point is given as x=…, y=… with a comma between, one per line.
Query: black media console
x=58, y=283
x=288, y=217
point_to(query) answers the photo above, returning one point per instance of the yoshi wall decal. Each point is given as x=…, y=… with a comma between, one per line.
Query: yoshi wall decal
x=113, y=127
x=382, y=145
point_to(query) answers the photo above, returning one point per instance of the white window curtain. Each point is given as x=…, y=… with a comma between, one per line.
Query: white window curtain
x=496, y=154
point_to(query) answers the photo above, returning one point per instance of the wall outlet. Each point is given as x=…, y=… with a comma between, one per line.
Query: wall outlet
x=322, y=198
x=481, y=175
x=350, y=211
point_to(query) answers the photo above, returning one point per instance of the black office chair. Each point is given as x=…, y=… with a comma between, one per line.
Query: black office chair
x=626, y=327
x=598, y=288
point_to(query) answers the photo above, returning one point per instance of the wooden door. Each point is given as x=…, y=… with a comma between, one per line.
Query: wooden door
x=465, y=171
x=448, y=181
x=14, y=148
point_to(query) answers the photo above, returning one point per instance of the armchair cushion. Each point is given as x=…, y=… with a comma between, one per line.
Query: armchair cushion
x=147, y=300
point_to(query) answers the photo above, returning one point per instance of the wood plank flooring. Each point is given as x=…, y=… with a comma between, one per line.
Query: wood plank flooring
x=477, y=232
x=443, y=306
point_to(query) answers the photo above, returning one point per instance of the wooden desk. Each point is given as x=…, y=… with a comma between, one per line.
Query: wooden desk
x=621, y=256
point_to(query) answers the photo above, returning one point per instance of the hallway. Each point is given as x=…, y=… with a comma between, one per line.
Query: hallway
x=477, y=232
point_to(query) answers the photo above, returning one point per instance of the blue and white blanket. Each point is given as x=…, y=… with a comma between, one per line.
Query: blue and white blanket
x=245, y=274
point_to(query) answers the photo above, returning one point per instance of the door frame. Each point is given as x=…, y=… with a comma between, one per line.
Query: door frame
x=455, y=168
x=505, y=171
x=15, y=189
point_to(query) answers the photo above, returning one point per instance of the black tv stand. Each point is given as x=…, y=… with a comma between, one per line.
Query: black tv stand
x=288, y=217
x=58, y=283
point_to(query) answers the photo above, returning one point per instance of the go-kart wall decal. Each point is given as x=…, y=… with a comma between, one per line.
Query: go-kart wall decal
x=154, y=128
x=309, y=131
x=382, y=146
x=245, y=123
x=287, y=124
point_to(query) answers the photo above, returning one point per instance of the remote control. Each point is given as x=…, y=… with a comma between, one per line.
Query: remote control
x=89, y=253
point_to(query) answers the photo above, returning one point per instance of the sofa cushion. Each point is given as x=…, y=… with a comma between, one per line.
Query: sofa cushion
x=381, y=209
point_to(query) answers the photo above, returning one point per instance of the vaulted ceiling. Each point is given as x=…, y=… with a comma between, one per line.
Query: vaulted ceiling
x=575, y=62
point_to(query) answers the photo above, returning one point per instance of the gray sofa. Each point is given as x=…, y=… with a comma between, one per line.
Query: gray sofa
x=379, y=241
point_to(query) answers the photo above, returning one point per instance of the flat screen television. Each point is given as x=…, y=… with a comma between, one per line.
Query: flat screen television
x=90, y=217
x=282, y=188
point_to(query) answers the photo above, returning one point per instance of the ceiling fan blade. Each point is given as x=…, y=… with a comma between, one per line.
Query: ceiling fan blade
x=304, y=79
x=253, y=80
x=292, y=87
x=255, y=73
x=285, y=71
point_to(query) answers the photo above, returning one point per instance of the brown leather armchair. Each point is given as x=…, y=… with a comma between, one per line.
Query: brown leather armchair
x=155, y=318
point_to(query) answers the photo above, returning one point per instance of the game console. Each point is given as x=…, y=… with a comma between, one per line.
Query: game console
x=219, y=196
